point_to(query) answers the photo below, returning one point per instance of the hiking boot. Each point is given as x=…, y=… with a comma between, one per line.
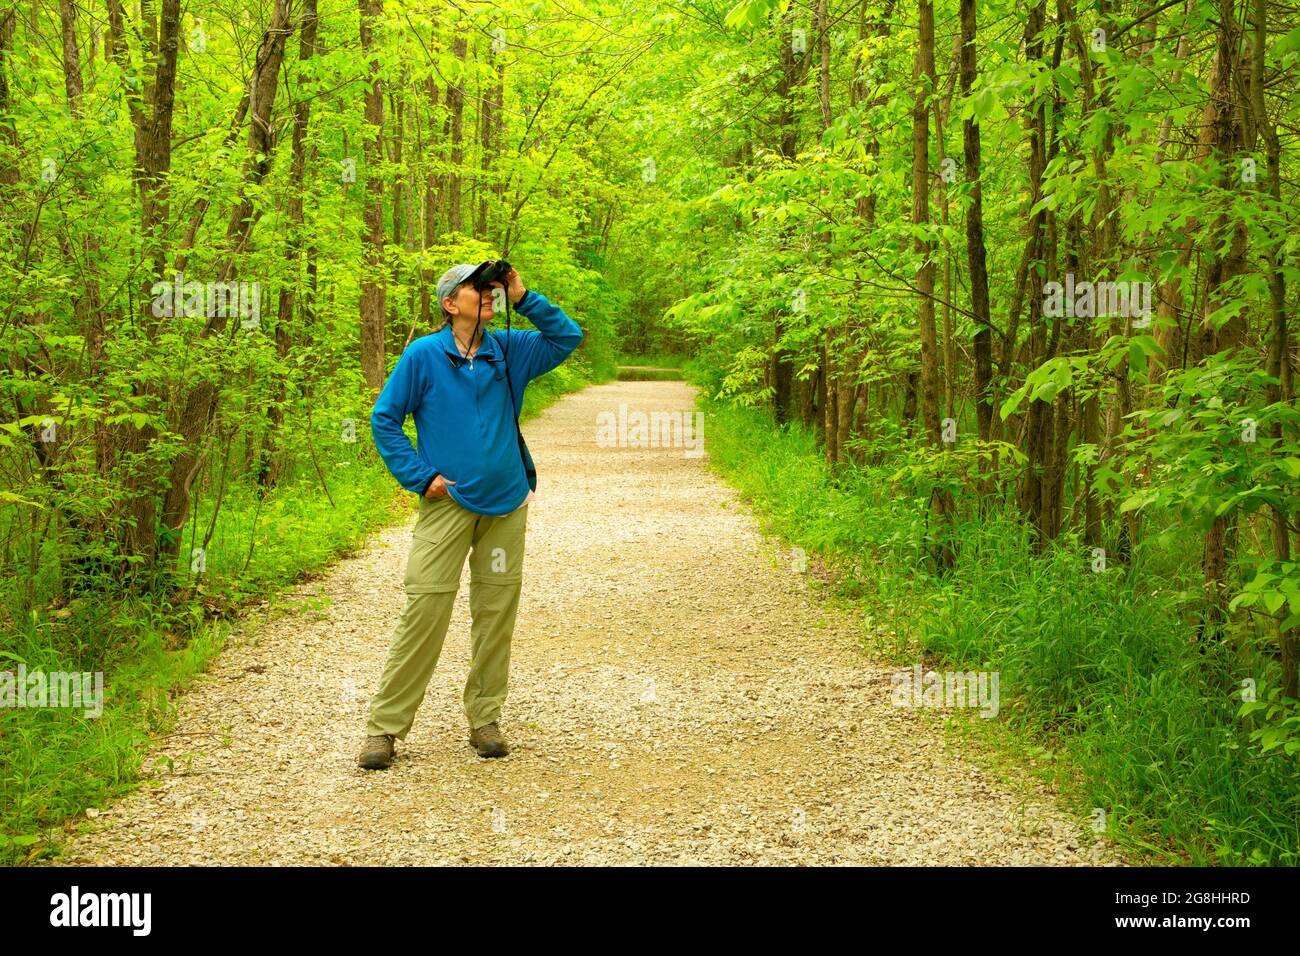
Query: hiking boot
x=487, y=740
x=377, y=754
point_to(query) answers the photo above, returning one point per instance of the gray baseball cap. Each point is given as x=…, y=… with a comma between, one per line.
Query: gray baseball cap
x=452, y=278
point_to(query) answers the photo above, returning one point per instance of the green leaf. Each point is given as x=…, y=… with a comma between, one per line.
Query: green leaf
x=753, y=13
x=1012, y=403
x=1245, y=599
x=1147, y=345
x=9, y=498
x=1288, y=43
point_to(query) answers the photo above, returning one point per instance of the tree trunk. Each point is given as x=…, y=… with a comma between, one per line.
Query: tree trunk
x=976, y=257
x=923, y=78
x=198, y=408
x=1222, y=128
x=373, y=365
x=269, y=465
x=1279, y=363
x=456, y=103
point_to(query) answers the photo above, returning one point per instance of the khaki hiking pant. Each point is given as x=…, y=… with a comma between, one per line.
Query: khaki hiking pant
x=443, y=535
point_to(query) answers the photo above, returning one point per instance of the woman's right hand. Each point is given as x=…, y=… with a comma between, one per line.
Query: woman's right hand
x=438, y=487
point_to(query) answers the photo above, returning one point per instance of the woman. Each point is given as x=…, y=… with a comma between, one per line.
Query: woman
x=474, y=475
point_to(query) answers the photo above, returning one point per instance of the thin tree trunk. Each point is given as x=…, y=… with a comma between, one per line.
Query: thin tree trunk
x=976, y=257
x=456, y=103
x=200, y=403
x=1221, y=126
x=269, y=466
x=1280, y=391
x=924, y=79
x=373, y=364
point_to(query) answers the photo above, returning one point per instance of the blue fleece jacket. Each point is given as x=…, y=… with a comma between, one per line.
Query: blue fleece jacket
x=464, y=423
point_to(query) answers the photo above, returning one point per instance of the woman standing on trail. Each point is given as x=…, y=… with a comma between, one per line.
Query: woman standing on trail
x=475, y=477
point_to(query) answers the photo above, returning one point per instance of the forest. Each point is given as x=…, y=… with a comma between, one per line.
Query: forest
x=989, y=305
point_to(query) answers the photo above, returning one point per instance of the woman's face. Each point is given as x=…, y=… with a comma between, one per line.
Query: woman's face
x=467, y=300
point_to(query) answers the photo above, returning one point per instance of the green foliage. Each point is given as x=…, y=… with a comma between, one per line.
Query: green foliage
x=1282, y=722
x=1207, y=447
x=1096, y=668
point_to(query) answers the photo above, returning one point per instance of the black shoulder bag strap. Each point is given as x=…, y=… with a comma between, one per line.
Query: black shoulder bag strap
x=524, y=456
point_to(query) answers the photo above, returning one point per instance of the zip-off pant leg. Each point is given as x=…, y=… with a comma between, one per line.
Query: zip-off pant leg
x=496, y=574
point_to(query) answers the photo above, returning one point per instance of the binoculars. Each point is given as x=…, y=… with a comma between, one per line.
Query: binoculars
x=493, y=270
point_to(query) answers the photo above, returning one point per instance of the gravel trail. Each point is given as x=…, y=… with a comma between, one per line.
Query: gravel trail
x=677, y=696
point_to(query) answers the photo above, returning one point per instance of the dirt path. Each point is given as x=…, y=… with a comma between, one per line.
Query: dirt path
x=677, y=696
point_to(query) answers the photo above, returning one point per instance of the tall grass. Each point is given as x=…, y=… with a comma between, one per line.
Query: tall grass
x=1097, y=672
